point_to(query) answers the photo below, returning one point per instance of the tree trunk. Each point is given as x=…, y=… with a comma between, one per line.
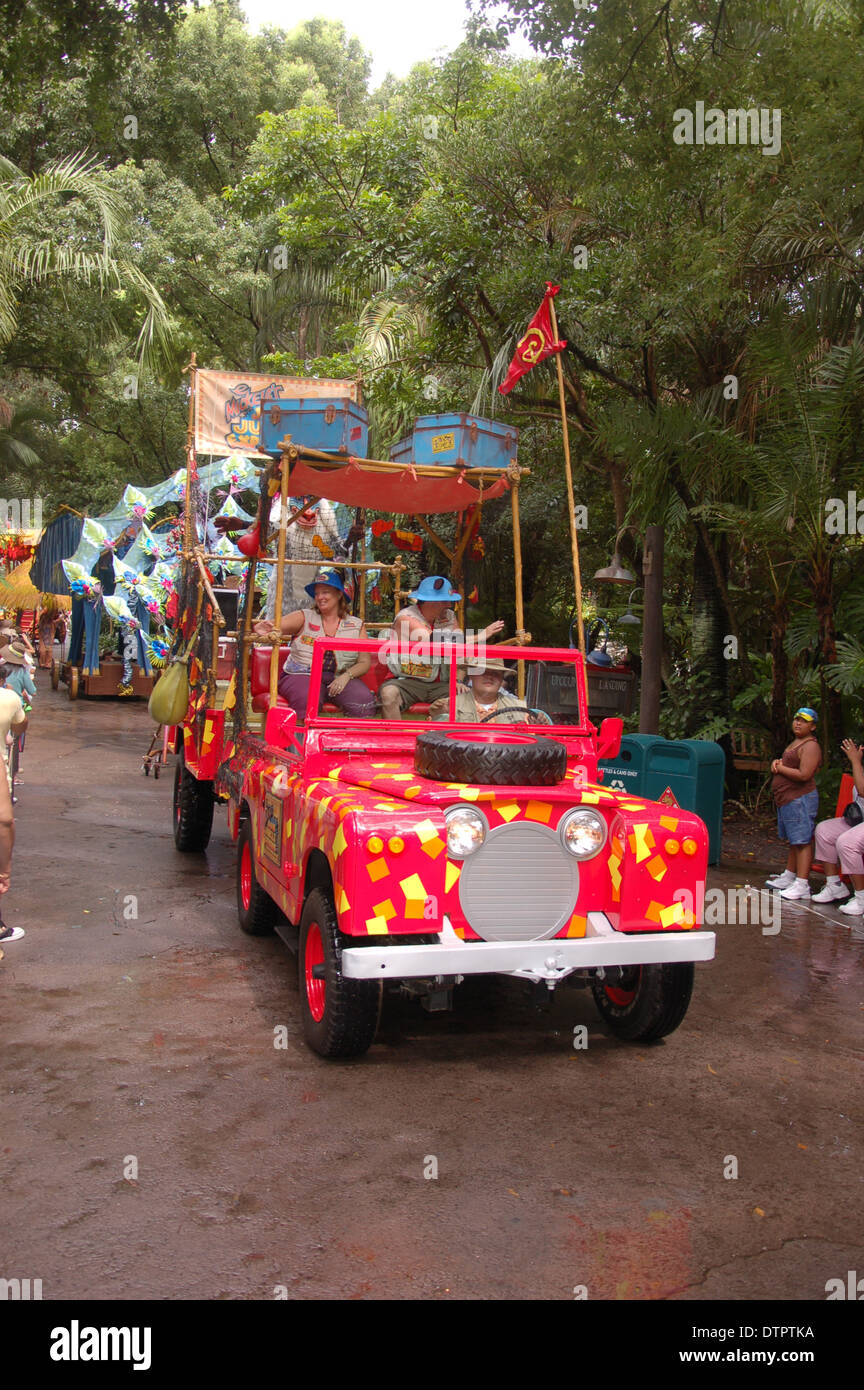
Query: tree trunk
x=779, y=675
x=302, y=331
x=832, y=706
x=709, y=632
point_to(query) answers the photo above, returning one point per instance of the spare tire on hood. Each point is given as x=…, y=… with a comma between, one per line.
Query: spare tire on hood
x=490, y=757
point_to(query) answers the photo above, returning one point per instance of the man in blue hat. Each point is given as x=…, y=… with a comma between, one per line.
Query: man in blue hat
x=417, y=630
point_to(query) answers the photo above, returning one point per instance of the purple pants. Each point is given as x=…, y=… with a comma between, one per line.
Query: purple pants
x=836, y=839
x=356, y=700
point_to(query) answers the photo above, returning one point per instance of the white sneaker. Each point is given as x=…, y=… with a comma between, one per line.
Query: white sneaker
x=854, y=907
x=779, y=881
x=796, y=890
x=830, y=893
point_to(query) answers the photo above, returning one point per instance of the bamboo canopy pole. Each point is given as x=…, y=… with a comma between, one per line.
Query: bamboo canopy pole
x=317, y=457
x=246, y=650
x=217, y=611
x=287, y=455
x=574, y=540
x=190, y=452
x=336, y=564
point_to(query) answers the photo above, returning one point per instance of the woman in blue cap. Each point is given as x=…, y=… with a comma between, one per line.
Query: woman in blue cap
x=422, y=624
x=797, y=801
x=330, y=617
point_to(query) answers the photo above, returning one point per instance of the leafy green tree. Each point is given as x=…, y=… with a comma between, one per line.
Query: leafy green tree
x=29, y=254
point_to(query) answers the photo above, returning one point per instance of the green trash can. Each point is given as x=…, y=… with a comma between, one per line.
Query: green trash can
x=690, y=773
x=626, y=773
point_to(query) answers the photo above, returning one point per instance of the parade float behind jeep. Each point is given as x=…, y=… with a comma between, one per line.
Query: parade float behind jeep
x=413, y=853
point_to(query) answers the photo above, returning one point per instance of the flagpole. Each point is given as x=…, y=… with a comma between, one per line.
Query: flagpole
x=574, y=541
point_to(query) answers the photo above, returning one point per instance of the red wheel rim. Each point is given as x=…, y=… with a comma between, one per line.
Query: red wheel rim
x=620, y=996
x=315, y=989
x=246, y=875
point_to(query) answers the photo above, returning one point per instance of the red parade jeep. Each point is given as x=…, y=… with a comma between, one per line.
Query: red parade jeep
x=421, y=853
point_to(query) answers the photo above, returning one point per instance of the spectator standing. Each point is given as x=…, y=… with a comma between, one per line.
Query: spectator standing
x=18, y=677
x=797, y=800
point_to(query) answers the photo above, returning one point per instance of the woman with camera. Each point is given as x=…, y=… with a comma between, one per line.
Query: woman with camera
x=843, y=838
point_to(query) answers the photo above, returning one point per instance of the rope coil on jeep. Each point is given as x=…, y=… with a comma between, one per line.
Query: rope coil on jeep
x=494, y=757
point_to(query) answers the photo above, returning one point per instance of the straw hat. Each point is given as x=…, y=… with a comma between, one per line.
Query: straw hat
x=480, y=668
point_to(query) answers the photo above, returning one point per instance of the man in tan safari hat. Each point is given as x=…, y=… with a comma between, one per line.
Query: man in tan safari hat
x=484, y=697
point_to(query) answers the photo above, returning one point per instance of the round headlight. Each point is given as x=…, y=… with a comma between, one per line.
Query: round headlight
x=583, y=833
x=466, y=830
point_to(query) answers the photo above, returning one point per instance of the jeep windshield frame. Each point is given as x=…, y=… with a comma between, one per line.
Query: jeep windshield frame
x=452, y=655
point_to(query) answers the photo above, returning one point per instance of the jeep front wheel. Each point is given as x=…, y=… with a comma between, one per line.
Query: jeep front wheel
x=646, y=1001
x=340, y=1017
x=256, y=910
x=193, y=810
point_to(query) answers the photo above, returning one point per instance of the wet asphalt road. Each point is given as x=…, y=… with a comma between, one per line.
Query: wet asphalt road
x=149, y=1041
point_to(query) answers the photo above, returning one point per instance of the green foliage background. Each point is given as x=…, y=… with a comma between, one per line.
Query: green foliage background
x=294, y=220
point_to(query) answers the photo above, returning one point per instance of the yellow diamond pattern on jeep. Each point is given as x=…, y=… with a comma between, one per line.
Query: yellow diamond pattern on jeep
x=615, y=876
x=501, y=903
x=641, y=841
x=415, y=895
x=656, y=867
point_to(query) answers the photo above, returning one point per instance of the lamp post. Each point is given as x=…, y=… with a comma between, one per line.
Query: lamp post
x=629, y=618
x=652, y=631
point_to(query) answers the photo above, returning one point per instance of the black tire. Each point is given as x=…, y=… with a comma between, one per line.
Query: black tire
x=647, y=1002
x=527, y=761
x=193, y=810
x=256, y=910
x=348, y=1009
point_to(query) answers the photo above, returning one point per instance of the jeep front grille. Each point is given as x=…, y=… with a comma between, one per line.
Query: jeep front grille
x=522, y=885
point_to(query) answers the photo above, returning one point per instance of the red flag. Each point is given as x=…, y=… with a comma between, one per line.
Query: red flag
x=537, y=344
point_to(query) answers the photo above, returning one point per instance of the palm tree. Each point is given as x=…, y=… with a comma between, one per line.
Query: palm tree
x=18, y=451
x=28, y=258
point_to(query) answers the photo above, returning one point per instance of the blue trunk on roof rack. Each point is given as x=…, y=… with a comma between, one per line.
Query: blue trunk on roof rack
x=458, y=441
x=336, y=426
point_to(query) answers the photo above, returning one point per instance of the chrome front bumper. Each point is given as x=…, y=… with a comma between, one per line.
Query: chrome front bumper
x=538, y=960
